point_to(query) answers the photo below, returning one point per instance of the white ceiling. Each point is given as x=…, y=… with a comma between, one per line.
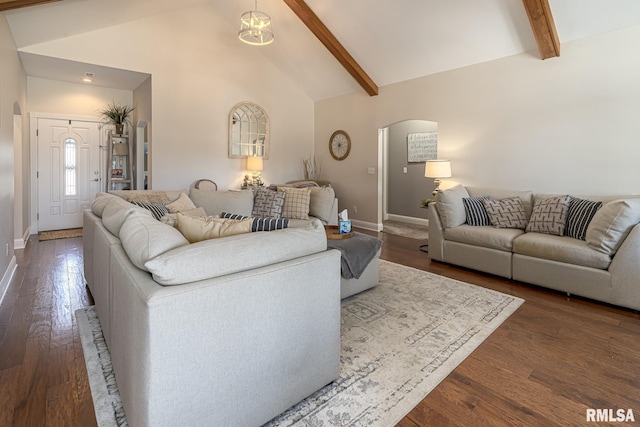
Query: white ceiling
x=392, y=41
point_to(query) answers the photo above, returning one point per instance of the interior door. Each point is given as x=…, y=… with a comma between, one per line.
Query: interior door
x=69, y=171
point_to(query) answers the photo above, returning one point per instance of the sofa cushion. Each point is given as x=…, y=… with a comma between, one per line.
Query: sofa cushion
x=560, y=248
x=321, y=203
x=296, y=202
x=197, y=229
x=216, y=202
x=115, y=214
x=266, y=204
x=611, y=224
x=484, y=236
x=450, y=207
x=475, y=211
x=579, y=215
x=549, y=215
x=242, y=252
x=143, y=238
x=181, y=204
x=506, y=213
x=102, y=200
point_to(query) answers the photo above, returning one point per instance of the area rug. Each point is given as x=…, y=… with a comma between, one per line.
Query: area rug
x=399, y=340
x=60, y=234
x=405, y=229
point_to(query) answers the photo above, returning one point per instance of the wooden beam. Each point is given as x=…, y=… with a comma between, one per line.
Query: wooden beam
x=15, y=4
x=544, y=29
x=311, y=20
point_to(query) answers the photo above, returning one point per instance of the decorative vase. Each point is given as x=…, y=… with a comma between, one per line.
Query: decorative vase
x=120, y=129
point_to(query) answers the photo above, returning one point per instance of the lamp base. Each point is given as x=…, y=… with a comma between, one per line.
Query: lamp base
x=437, y=183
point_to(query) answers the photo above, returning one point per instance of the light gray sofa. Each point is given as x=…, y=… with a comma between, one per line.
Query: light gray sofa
x=604, y=267
x=225, y=332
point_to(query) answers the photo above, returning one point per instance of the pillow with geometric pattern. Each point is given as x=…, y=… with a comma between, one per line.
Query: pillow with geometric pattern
x=267, y=203
x=506, y=213
x=549, y=215
x=579, y=216
x=296, y=202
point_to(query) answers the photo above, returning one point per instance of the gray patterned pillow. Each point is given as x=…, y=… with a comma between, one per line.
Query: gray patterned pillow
x=549, y=215
x=268, y=203
x=506, y=213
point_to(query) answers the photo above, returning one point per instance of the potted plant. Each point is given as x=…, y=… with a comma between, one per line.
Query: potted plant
x=117, y=115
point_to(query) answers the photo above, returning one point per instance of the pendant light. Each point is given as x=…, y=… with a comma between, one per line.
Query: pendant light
x=255, y=28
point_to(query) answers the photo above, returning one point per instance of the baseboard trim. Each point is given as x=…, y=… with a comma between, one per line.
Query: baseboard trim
x=366, y=225
x=8, y=276
x=22, y=243
x=408, y=219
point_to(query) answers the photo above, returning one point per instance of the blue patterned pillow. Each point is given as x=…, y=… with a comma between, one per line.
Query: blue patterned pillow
x=476, y=213
x=579, y=216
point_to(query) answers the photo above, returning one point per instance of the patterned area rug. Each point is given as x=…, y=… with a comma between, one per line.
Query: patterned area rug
x=399, y=340
x=405, y=229
x=60, y=234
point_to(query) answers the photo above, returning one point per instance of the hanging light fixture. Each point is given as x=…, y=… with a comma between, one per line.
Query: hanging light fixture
x=255, y=28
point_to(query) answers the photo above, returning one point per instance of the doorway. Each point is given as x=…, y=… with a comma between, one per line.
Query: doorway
x=403, y=184
x=68, y=170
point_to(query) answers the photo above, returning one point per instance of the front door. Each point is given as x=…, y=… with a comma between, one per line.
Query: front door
x=69, y=171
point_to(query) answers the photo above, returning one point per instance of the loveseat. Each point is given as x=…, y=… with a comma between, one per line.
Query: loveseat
x=583, y=245
x=227, y=331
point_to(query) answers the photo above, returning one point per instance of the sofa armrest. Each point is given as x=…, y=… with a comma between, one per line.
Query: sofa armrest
x=625, y=271
x=436, y=233
x=333, y=218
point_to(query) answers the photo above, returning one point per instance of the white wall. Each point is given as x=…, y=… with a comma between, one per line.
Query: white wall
x=75, y=99
x=566, y=125
x=200, y=70
x=12, y=90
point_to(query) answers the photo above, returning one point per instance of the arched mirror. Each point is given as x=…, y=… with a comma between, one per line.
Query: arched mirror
x=248, y=131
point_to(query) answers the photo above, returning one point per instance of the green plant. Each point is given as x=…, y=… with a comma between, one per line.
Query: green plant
x=425, y=202
x=117, y=114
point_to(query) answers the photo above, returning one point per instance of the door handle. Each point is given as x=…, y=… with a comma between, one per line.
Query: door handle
x=96, y=179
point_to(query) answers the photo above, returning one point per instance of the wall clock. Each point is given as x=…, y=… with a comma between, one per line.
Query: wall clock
x=339, y=145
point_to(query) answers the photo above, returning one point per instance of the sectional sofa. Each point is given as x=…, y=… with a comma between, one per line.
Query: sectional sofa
x=582, y=245
x=228, y=331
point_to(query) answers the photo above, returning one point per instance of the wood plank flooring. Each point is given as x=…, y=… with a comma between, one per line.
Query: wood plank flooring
x=550, y=361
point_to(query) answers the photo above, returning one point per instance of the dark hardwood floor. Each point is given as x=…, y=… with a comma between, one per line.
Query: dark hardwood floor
x=546, y=365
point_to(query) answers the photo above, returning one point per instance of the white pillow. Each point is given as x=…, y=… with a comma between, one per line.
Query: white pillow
x=321, y=203
x=611, y=224
x=144, y=238
x=181, y=204
x=450, y=206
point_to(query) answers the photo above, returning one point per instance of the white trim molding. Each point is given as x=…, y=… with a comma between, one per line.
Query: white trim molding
x=6, y=278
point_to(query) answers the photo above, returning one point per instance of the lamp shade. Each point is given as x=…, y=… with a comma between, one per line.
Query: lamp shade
x=255, y=28
x=437, y=169
x=254, y=163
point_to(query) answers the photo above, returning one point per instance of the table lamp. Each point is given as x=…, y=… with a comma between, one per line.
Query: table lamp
x=254, y=164
x=437, y=169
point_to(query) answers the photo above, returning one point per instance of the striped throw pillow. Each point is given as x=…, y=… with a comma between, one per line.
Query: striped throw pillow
x=261, y=224
x=475, y=211
x=579, y=216
x=158, y=210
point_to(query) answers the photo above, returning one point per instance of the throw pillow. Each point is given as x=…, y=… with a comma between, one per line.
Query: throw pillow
x=181, y=204
x=172, y=218
x=549, y=215
x=579, y=216
x=146, y=196
x=196, y=229
x=506, y=213
x=321, y=203
x=450, y=207
x=296, y=202
x=268, y=203
x=611, y=225
x=261, y=224
x=476, y=213
x=158, y=210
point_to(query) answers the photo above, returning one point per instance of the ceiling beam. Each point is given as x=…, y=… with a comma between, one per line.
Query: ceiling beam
x=311, y=20
x=15, y=4
x=544, y=29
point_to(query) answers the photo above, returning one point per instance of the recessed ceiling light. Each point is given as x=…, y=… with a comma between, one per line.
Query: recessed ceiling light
x=88, y=77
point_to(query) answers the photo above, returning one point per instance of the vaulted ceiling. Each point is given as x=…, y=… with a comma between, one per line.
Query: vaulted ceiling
x=386, y=42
